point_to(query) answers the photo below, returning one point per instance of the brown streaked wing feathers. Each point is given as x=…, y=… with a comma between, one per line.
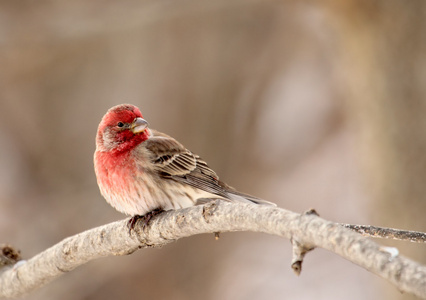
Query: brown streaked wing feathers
x=172, y=160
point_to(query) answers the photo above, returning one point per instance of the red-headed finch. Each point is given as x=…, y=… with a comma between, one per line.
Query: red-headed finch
x=140, y=170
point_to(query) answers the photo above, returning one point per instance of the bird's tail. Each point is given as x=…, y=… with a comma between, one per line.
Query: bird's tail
x=241, y=197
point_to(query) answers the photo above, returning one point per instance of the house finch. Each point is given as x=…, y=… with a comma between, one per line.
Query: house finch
x=140, y=170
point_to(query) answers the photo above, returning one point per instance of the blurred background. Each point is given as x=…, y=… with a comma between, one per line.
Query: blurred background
x=307, y=104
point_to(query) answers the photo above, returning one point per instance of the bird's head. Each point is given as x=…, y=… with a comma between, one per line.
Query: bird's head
x=121, y=129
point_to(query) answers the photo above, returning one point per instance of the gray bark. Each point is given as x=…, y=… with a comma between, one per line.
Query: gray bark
x=306, y=231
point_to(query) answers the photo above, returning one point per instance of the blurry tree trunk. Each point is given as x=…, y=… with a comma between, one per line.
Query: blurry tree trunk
x=387, y=104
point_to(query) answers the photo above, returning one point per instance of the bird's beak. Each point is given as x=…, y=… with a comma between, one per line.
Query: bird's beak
x=139, y=125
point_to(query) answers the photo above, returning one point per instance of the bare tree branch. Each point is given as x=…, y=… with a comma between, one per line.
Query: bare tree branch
x=305, y=231
x=388, y=233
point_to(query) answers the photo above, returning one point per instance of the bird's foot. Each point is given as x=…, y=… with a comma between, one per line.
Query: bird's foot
x=145, y=219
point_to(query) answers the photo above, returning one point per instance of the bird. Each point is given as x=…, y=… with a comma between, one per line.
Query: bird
x=142, y=172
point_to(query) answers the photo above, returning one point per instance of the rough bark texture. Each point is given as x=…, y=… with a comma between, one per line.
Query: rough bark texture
x=307, y=231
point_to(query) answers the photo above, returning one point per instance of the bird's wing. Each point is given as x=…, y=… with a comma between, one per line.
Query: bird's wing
x=169, y=157
x=173, y=161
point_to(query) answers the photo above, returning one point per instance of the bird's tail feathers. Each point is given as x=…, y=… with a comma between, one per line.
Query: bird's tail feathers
x=240, y=197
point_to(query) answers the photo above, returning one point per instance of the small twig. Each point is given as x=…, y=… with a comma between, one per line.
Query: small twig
x=298, y=253
x=388, y=233
x=8, y=255
x=299, y=249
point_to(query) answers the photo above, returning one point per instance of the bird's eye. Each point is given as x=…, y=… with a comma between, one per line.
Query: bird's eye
x=120, y=124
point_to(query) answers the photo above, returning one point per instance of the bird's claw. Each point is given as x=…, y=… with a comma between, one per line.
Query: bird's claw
x=145, y=219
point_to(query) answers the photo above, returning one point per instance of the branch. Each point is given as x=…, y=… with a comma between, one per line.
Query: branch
x=388, y=233
x=305, y=231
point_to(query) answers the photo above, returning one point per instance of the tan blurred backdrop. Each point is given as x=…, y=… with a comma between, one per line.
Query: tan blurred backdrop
x=304, y=103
